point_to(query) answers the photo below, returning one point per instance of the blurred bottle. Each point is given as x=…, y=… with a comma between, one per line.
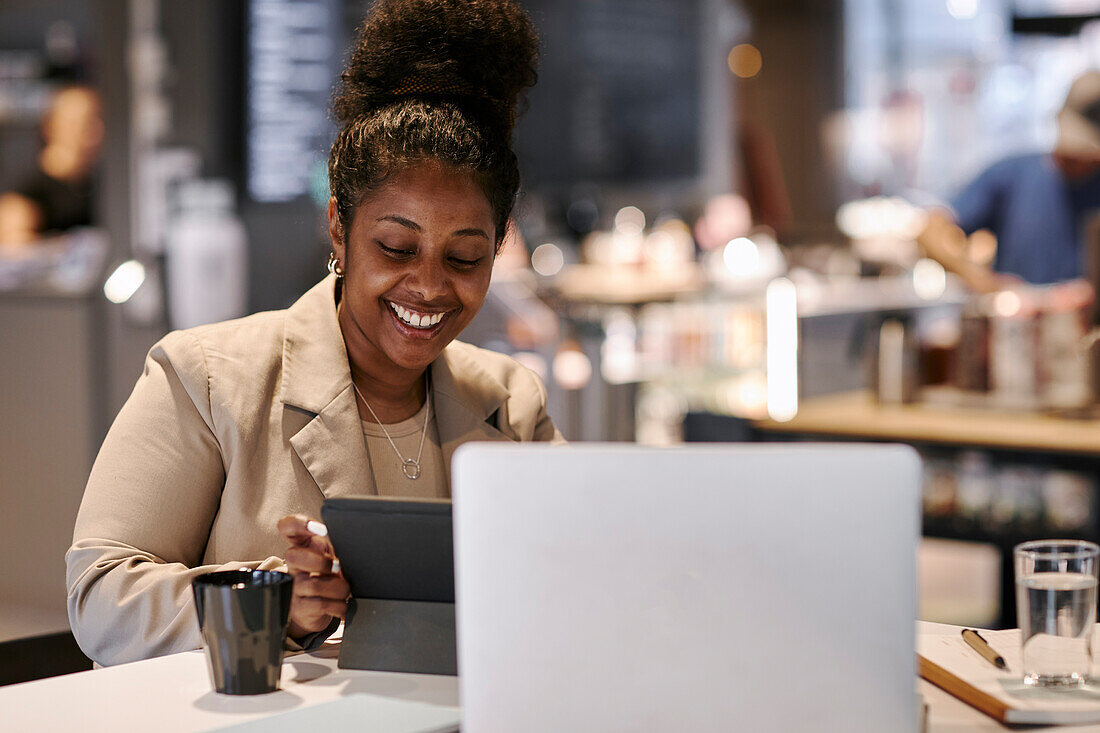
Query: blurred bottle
x=1063, y=364
x=1068, y=499
x=976, y=486
x=895, y=371
x=1013, y=342
x=207, y=256
x=940, y=488
x=971, y=364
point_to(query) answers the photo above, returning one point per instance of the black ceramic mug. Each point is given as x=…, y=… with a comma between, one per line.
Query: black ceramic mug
x=243, y=617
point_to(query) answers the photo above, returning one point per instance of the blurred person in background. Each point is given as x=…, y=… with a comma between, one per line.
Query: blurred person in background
x=1033, y=205
x=57, y=195
x=236, y=432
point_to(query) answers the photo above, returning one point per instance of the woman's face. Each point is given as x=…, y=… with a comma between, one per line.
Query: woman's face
x=417, y=261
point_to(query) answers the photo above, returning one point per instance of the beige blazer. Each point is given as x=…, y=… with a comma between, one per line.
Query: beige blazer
x=229, y=428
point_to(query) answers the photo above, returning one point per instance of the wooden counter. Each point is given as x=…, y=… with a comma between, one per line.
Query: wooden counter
x=855, y=415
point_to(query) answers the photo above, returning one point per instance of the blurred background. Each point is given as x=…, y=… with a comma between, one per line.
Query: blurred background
x=717, y=240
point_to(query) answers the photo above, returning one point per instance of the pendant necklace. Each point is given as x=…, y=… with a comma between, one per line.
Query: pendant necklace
x=409, y=467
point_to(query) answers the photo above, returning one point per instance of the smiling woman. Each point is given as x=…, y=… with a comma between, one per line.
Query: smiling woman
x=237, y=431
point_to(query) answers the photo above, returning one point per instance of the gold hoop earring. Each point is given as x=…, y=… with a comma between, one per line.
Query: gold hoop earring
x=334, y=265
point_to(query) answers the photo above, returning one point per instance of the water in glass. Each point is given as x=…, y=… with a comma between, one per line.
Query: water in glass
x=1057, y=612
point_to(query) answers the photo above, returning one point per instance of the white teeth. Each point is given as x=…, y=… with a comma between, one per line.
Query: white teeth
x=416, y=320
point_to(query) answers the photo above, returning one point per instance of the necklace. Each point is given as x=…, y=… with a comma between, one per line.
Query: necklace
x=409, y=467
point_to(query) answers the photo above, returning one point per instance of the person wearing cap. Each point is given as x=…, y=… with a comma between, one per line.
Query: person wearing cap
x=1034, y=205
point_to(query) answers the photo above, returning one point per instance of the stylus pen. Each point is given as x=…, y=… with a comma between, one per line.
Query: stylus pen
x=321, y=530
x=975, y=641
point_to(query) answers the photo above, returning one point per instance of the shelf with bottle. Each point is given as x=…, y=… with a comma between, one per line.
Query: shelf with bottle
x=1024, y=349
x=973, y=494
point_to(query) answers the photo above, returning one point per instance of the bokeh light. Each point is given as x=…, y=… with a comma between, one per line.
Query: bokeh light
x=1007, y=303
x=572, y=369
x=929, y=279
x=124, y=281
x=630, y=220
x=962, y=9
x=745, y=60
x=742, y=257
x=547, y=259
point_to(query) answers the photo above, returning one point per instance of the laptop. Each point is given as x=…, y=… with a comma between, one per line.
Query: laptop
x=753, y=587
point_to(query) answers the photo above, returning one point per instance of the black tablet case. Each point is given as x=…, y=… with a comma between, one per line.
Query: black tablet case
x=398, y=557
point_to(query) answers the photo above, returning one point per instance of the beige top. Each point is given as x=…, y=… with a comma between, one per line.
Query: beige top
x=388, y=472
x=231, y=427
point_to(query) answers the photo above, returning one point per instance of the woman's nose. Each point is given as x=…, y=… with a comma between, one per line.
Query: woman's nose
x=428, y=280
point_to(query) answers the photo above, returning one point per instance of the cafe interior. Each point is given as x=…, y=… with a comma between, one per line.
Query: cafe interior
x=721, y=236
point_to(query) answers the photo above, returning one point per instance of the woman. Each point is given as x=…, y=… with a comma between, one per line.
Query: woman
x=357, y=388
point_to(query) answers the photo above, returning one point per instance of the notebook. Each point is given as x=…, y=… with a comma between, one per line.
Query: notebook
x=946, y=661
x=697, y=588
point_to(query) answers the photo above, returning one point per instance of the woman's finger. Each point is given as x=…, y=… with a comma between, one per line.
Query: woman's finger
x=321, y=586
x=301, y=531
x=313, y=612
x=308, y=560
x=295, y=529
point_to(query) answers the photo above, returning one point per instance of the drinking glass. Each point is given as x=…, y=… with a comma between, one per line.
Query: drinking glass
x=243, y=617
x=1056, y=607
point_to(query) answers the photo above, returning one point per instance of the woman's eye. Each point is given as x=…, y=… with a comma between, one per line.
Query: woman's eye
x=396, y=251
x=461, y=262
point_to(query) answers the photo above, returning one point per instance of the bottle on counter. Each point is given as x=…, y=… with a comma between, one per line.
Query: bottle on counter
x=1013, y=342
x=970, y=368
x=207, y=256
x=896, y=365
x=1064, y=355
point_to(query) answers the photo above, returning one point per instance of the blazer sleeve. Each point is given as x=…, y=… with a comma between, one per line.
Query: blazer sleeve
x=145, y=518
x=545, y=429
x=528, y=418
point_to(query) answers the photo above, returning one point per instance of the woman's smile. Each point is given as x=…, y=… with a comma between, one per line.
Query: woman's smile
x=416, y=322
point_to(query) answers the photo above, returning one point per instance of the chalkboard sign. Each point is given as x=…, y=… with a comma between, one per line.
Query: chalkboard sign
x=619, y=95
x=291, y=69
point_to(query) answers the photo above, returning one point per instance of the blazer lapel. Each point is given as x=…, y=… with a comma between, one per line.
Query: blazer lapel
x=317, y=381
x=465, y=399
x=337, y=470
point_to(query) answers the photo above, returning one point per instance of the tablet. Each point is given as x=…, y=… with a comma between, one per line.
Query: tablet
x=393, y=549
x=398, y=558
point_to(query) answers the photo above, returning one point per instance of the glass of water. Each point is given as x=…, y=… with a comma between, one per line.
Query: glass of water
x=1056, y=608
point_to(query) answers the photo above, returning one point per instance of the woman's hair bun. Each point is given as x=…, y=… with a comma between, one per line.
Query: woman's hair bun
x=477, y=53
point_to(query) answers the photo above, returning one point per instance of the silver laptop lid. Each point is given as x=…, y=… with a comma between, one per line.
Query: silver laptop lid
x=699, y=588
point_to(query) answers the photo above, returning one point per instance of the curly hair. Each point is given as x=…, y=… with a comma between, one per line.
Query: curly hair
x=433, y=80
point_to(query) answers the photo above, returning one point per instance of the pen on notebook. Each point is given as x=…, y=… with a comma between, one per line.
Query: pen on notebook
x=975, y=641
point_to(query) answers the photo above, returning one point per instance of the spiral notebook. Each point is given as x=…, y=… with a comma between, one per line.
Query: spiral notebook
x=947, y=662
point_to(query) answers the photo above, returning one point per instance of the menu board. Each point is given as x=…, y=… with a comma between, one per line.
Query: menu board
x=619, y=93
x=292, y=59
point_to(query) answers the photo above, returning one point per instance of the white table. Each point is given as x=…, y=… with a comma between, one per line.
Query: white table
x=173, y=694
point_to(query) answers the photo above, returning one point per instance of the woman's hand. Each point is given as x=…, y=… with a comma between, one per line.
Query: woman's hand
x=319, y=592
